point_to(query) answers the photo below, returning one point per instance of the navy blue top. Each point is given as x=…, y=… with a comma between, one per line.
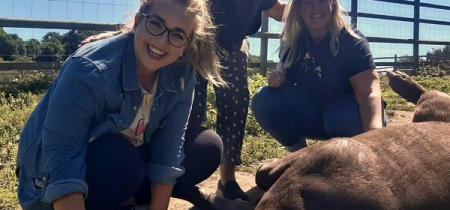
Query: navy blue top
x=324, y=76
x=237, y=19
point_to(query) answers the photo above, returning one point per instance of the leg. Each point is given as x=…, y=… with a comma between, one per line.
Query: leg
x=232, y=106
x=198, y=112
x=288, y=114
x=203, y=151
x=342, y=118
x=114, y=171
x=405, y=86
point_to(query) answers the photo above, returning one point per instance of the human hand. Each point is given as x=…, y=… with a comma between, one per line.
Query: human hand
x=97, y=37
x=277, y=77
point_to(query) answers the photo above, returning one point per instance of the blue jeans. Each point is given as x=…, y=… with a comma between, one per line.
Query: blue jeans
x=291, y=115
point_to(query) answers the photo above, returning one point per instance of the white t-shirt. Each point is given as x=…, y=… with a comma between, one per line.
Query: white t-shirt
x=136, y=132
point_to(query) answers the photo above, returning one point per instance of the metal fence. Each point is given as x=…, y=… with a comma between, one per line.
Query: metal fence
x=264, y=35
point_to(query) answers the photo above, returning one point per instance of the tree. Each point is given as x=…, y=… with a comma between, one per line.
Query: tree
x=51, y=51
x=439, y=55
x=20, y=44
x=71, y=39
x=253, y=58
x=33, y=48
x=51, y=36
x=8, y=47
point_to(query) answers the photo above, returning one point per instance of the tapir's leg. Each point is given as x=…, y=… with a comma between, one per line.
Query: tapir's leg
x=405, y=86
x=268, y=173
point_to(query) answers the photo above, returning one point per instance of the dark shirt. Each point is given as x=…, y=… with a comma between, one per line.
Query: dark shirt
x=324, y=76
x=237, y=18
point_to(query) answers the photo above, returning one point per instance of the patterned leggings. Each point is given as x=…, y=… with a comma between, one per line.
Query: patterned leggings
x=232, y=103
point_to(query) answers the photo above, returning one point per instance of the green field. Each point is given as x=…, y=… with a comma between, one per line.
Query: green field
x=18, y=101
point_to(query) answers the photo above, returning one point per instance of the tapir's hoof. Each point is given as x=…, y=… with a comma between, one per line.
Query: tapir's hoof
x=405, y=86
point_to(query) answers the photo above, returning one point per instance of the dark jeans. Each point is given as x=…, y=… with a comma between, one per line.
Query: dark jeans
x=290, y=115
x=116, y=170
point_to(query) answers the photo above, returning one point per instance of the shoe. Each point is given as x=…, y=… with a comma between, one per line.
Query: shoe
x=231, y=191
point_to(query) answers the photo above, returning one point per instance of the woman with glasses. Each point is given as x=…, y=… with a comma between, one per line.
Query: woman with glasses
x=326, y=84
x=109, y=132
x=235, y=20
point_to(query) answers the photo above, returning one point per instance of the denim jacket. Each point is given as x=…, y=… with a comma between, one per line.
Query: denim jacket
x=97, y=91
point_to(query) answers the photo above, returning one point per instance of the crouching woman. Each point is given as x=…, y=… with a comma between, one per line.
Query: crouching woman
x=109, y=132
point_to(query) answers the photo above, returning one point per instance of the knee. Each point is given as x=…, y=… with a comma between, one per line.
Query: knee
x=260, y=102
x=211, y=146
x=203, y=145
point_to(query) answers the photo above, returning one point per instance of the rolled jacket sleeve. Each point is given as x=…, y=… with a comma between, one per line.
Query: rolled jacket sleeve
x=72, y=106
x=167, y=152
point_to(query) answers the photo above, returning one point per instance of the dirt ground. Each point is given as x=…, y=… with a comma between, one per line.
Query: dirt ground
x=247, y=182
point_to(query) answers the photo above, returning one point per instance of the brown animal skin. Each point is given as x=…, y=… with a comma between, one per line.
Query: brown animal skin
x=431, y=105
x=394, y=168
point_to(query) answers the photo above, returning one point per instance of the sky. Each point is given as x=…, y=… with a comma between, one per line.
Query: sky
x=119, y=11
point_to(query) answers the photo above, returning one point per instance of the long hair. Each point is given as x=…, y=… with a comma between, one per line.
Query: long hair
x=202, y=52
x=294, y=26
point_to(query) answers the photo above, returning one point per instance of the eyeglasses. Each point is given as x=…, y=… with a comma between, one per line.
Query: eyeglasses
x=155, y=27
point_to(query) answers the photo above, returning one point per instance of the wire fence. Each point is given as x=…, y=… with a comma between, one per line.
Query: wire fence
x=394, y=28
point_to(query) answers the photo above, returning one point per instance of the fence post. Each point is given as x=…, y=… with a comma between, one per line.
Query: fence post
x=354, y=13
x=416, y=37
x=264, y=45
x=395, y=62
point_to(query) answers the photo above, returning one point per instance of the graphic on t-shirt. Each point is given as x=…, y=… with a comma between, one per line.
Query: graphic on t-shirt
x=140, y=127
x=136, y=131
x=310, y=65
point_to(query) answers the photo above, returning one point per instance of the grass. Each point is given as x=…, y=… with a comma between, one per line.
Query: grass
x=13, y=111
x=17, y=104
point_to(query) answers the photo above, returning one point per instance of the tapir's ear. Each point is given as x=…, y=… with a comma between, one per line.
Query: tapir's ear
x=268, y=173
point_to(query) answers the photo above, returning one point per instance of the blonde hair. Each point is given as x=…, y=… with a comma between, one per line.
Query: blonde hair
x=202, y=52
x=294, y=26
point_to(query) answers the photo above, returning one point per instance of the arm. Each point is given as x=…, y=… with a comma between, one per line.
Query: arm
x=363, y=78
x=278, y=76
x=366, y=86
x=276, y=11
x=167, y=152
x=101, y=36
x=71, y=108
x=70, y=202
x=160, y=196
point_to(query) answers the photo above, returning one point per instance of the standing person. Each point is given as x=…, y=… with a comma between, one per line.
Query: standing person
x=326, y=84
x=109, y=132
x=235, y=19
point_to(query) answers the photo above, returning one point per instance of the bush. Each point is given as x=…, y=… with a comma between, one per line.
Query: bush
x=37, y=83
